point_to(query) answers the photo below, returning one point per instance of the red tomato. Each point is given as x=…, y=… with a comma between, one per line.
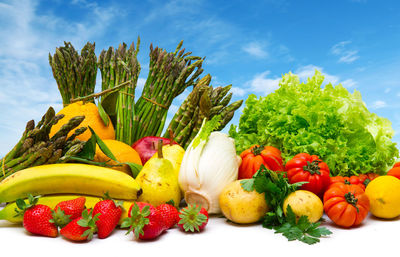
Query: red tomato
x=255, y=156
x=309, y=168
x=346, y=205
x=397, y=164
x=366, y=178
x=395, y=172
x=353, y=180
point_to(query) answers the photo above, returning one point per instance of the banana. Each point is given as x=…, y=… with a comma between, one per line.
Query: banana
x=8, y=212
x=69, y=178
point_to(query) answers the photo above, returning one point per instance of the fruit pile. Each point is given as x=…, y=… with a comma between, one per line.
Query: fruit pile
x=75, y=221
x=90, y=169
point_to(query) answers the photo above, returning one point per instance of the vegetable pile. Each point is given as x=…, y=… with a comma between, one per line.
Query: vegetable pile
x=326, y=121
x=305, y=150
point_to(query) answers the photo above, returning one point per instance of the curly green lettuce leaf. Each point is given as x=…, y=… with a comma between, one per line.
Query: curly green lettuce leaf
x=327, y=121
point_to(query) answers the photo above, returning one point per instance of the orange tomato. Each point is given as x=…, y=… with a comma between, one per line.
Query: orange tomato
x=255, y=156
x=346, y=205
x=395, y=172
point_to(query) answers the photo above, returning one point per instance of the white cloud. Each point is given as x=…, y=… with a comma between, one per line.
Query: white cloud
x=262, y=84
x=379, y=104
x=27, y=84
x=345, y=54
x=308, y=71
x=256, y=49
x=141, y=82
x=349, y=57
x=237, y=91
x=348, y=83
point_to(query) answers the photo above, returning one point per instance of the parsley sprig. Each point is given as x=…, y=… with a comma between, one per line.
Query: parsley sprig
x=276, y=188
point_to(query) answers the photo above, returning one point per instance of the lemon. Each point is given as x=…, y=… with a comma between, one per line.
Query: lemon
x=306, y=203
x=384, y=197
x=121, y=151
x=92, y=119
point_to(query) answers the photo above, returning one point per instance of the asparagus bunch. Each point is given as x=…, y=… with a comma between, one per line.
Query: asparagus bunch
x=75, y=74
x=204, y=102
x=169, y=75
x=117, y=67
x=36, y=147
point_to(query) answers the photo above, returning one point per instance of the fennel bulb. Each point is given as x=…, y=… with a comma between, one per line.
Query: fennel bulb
x=209, y=164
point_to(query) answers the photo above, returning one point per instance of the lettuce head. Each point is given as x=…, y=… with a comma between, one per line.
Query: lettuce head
x=328, y=121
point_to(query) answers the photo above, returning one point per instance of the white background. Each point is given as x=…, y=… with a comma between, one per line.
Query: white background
x=220, y=238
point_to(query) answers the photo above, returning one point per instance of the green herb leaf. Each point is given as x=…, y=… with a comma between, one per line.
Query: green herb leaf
x=247, y=184
x=301, y=229
x=276, y=188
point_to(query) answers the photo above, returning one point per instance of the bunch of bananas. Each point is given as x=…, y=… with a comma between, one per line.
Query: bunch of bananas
x=70, y=179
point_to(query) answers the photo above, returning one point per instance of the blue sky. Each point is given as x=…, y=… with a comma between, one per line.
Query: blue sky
x=249, y=44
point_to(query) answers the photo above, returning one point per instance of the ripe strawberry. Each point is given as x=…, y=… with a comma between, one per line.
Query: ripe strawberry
x=81, y=228
x=170, y=215
x=110, y=213
x=37, y=221
x=144, y=220
x=66, y=211
x=193, y=218
x=36, y=218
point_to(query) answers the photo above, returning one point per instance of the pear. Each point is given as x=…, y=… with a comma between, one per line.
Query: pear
x=174, y=153
x=159, y=181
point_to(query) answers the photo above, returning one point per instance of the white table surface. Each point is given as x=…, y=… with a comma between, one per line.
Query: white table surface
x=220, y=237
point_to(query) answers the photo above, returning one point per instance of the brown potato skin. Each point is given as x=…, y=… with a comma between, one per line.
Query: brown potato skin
x=241, y=206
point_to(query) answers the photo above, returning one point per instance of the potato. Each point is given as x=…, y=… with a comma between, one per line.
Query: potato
x=304, y=203
x=241, y=206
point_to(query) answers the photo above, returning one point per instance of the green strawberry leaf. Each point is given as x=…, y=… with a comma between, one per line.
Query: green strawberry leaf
x=59, y=218
x=137, y=220
x=191, y=218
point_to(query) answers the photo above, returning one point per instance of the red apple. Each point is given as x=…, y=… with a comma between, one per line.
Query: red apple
x=147, y=146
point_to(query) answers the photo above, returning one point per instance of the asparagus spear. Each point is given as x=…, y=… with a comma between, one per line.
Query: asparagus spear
x=119, y=66
x=36, y=148
x=75, y=74
x=170, y=73
x=204, y=102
